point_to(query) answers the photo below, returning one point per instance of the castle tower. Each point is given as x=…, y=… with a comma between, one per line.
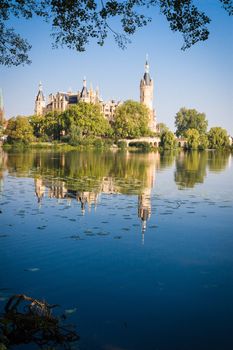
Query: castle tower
x=146, y=95
x=1, y=108
x=40, y=101
x=84, y=95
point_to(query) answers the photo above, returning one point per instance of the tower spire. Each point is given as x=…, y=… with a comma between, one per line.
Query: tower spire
x=147, y=67
x=40, y=101
x=84, y=82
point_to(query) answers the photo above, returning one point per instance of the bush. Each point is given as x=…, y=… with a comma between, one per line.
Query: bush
x=143, y=145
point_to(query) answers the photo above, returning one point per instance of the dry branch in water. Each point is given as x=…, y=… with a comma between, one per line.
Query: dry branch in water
x=26, y=320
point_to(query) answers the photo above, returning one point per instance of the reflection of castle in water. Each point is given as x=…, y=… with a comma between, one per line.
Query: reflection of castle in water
x=59, y=189
x=87, y=199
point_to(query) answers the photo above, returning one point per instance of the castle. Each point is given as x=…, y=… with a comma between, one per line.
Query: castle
x=62, y=100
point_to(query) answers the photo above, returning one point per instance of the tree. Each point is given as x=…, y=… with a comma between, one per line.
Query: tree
x=38, y=124
x=192, y=136
x=218, y=138
x=131, y=120
x=74, y=22
x=190, y=119
x=19, y=130
x=88, y=118
x=203, y=142
x=168, y=140
x=162, y=128
x=52, y=125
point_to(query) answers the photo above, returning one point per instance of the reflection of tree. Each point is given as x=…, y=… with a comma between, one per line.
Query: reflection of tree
x=190, y=168
x=83, y=175
x=167, y=158
x=85, y=171
x=3, y=167
x=20, y=163
x=218, y=160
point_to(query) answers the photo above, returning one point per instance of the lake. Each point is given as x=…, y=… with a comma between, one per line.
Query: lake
x=136, y=247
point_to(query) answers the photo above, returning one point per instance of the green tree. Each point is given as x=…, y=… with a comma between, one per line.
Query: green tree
x=88, y=118
x=218, y=138
x=74, y=135
x=74, y=23
x=53, y=125
x=190, y=119
x=131, y=120
x=168, y=140
x=203, y=142
x=192, y=136
x=19, y=130
x=38, y=123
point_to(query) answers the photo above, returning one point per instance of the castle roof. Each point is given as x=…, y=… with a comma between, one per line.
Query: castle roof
x=73, y=99
x=84, y=92
x=147, y=78
x=40, y=95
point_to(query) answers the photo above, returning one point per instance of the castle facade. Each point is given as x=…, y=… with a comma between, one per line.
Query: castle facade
x=62, y=100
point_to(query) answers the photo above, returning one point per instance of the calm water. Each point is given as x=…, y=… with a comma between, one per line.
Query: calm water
x=139, y=247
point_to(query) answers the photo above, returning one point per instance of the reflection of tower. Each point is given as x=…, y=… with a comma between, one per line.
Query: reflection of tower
x=40, y=101
x=146, y=95
x=144, y=207
x=39, y=189
x=144, y=199
x=87, y=197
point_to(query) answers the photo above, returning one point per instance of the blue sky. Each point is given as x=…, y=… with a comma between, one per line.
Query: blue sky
x=201, y=77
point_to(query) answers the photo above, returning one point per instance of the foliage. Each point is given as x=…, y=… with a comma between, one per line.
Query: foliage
x=87, y=118
x=1, y=131
x=74, y=136
x=19, y=130
x=203, y=142
x=53, y=125
x=37, y=122
x=218, y=138
x=192, y=136
x=49, y=126
x=190, y=119
x=168, y=140
x=131, y=120
x=74, y=23
x=145, y=146
x=81, y=120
